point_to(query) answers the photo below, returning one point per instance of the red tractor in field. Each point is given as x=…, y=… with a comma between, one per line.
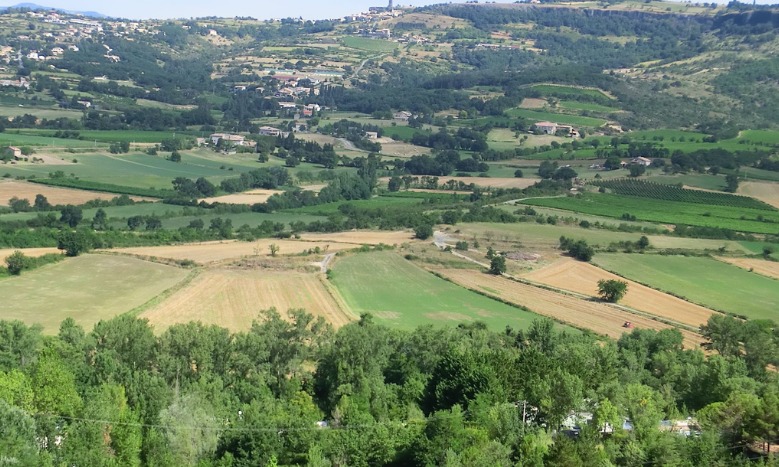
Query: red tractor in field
x=628, y=325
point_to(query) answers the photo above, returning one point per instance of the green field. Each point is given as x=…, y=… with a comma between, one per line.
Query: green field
x=370, y=45
x=708, y=182
x=401, y=295
x=760, y=136
x=609, y=205
x=706, y=281
x=588, y=106
x=87, y=288
x=377, y=202
x=16, y=139
x=131, y=136
x=556, y=117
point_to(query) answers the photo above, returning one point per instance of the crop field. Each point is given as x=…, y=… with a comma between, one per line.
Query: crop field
x=55, y=195
x=87, y=288
x=233, y=298
x=40, y=112
x=30, y=252
x=651, y=190
x=247, y=197
x=16, y=139
x=109, y=136
x=748, y=173
x=580, y=277
x=588, y=106
x=759, y=266
x=565, y=119
x=377, y=202
x=760, y=136
x=401, y=132
x=495, y=182
x=578, y=312
x=707, y=182
x=209, y=252
x=764, y=191
x=610, y=205
x=401, y=295
x=702, y=280
x=370, y=45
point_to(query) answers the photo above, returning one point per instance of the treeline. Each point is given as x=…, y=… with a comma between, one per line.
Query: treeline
x=291, y=391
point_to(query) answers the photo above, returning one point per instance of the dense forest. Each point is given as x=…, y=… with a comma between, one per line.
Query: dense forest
x=291, y=390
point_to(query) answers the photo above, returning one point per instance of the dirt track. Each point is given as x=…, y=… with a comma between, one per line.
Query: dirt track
x=760, y=266
x=233, y=298
x=576, y=276
x=598, y=317
x=55, y=195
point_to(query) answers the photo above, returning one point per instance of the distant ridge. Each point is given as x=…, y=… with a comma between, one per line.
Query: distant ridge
x=36, y=7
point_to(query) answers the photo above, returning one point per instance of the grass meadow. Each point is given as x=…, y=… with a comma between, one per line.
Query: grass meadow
x=88, y=288
x=702, y=280
x=402, y=295
x=556, y=117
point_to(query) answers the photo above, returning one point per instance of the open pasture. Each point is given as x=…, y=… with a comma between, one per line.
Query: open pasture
x=702, y=280
x=362, y=237
x=560, y=90
x=766, y=192
x=209, y=252
x=402, y=295
x=669, y=212
x=581, y=313
x=494, y=182
x=233, y=298
x=369, y=45
x=55, y=195
x=87, y=288
x=564, y=119
x=580, y=277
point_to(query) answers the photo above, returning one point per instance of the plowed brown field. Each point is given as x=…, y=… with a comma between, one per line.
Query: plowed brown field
x=247, y=197
x=362, y=237
x=55, y=195
x=598, y=317
x=208, y=252
x=233, y=298
x=576, y=276
x=760, y=266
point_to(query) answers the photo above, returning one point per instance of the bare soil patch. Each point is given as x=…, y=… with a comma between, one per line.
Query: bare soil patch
x=246, y=197
x=760, y=266
x=315, y=188
x=401, y=149
x=208, y=252
x=584, y=314
x=362, y=237
x=569, y=274
x=233, y=298
x=30, y=252
x=55, y=195
x=766, y=192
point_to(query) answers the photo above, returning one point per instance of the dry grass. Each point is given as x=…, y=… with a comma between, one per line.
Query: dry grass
x=760, y=266
x=247, y=197
x=584, y=314
x=233, y=298
x=209, y=252
x=394, y=148
x=362, y=237
x=492, y=182
x=532, y=103
x=766, y=192
x=569, y=274
x=55, y=195
x=29, y=252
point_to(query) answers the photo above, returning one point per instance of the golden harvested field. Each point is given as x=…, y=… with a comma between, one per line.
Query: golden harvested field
x=597, y=317
x=209, y=252
x=232, y=298
x=760, y=266
x=246, y=197
x=315, y=188
x=492, y=182
x=30, y=252
x=55, y=195
x=362, y=237
x=766, y=192
x=576, y=276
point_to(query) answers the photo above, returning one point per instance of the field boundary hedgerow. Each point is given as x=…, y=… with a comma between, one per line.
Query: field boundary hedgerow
x=105, y=187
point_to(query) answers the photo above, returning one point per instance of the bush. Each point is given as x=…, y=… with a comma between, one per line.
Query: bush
x=16, y=262
x=497, y=265
x=423, y=232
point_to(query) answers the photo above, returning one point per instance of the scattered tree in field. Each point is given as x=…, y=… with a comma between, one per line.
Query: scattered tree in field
x=19, y=204
x=135, y=222
x=41, y=203
x=578, y=249
x=732, y=183
x=274, y=249
x=71, y=215
x=73, y=242
x=612, y=290
x=497, y=265
x=637, y=170
x=16, y=262
x=100, y=221
x=423, y=231
x=394, y=183
x=461, y=245
x=518, y=173
x=643, y=243
x=175, y=156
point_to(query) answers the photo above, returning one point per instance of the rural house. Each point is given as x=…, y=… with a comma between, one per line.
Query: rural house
x=547, y=128
x=641, y=161
x=269, y=131
x=237, y=140
x=13, y=152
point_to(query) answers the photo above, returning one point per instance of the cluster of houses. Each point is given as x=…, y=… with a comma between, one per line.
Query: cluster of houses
x=550, y=128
